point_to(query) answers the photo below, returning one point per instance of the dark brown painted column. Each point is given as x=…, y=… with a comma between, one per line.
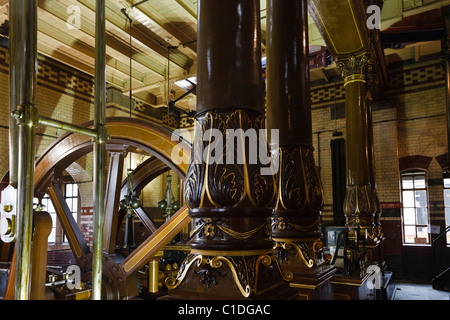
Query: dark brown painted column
x=446, y=65
x=230, y=200
x=374, y=245
x=288, y=84
x=295, y=222
x=359, y=201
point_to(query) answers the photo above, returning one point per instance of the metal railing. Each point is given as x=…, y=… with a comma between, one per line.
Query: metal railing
x=434, y=247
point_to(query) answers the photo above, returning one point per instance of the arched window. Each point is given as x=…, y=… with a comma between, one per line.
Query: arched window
x=415, y=218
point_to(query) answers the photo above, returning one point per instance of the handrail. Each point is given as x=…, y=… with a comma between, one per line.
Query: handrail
x=433, y=245
x=339, y=243
x=440, y=235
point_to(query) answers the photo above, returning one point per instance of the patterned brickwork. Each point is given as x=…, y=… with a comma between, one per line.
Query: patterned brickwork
x=86, y=224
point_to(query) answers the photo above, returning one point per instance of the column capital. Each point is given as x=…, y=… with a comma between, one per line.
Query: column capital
x=355, y=68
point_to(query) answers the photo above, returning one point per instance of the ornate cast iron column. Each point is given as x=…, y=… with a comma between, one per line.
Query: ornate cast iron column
x=299, y=200
x=230, y=200
x=359, y=204
x=375, y=252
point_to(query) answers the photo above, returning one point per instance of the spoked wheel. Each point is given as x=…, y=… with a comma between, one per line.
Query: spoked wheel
x=119, y=272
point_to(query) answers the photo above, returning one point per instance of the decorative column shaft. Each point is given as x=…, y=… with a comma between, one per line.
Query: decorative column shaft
x=229, y=196
x=359, y=204
x=295, y=222
x=372, y=88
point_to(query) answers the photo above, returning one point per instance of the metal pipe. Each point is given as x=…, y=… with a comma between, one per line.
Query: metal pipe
x=153, y=275
x=67, y=126
x=23, y=18
x=99, y=147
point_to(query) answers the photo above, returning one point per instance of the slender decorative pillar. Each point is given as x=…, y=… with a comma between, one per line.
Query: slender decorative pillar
x=359, y=204
x=99, y=147
x=229, y=197
x=299, y=200
x=23, y=53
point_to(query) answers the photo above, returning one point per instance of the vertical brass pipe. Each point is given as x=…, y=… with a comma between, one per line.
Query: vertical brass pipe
x=153, y=275
x=99, y=147
x=23, y=17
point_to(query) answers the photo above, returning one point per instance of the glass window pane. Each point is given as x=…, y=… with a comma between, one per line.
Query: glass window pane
x=419, y=182
x=53, y=216
x=447, y=197
x=52, y=236
x=421, y=198
x=69, y=203
x=407, y=182
x=75, y=205
x=409, y=216
x=75, y=190
x=410, y=234
x=422, y=216
x=447, y=183
x=408, y=199
x=447, y=216
x=50, y=207
x=68, y=190
x=422, y=235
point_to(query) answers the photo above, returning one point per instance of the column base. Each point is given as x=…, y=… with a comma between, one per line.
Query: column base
x=304, y=265
x=315, y=287
x=351, y=288
x=229, y=276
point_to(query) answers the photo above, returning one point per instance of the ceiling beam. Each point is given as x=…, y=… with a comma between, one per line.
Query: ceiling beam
x=60, y=11
x=116, y=18
x=177, y=35
x=52, y=31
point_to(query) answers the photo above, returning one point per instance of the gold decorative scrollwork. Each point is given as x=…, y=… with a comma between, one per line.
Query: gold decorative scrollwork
x=310, y=252
x=208, y=227
x=359, y=205
x=172, y=282
x=230, y=179
x=299, y=185
x=244, y=269
x=355, y=68
x=284, y=223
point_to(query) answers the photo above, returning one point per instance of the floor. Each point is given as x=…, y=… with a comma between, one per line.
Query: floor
x=418, y=291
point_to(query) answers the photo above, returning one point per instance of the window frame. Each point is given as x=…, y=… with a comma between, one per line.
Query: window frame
x=60, y=238
x=416, y=225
